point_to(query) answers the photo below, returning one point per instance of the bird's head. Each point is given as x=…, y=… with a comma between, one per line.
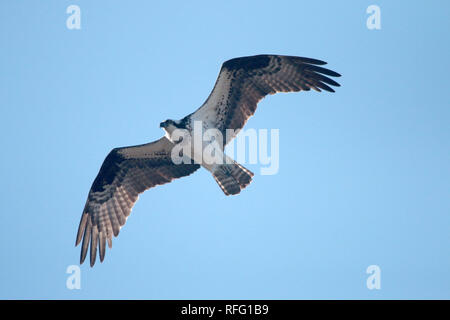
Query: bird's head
x=164, y=124
x=167, y=124
x=170, y=125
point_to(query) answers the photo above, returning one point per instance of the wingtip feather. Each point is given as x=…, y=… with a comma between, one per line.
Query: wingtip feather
x=94, y=242
x=81, y=228
x=86, y=240
x=102, y=245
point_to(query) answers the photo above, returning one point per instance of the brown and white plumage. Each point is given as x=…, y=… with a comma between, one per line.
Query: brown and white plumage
x=243, y=82
x=127, y=172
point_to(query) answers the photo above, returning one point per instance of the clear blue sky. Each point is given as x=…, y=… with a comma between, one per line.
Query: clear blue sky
x=364, y=173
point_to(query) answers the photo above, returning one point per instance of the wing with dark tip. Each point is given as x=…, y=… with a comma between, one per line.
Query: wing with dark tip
x=243, y=82
x=125, y=173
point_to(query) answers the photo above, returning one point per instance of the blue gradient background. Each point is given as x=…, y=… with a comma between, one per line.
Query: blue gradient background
x=364, y=173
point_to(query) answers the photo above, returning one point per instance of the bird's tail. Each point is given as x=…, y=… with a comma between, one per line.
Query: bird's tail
x=232, y=178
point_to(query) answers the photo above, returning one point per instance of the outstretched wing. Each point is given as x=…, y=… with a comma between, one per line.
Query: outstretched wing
x=125, y=173
x=243, y=82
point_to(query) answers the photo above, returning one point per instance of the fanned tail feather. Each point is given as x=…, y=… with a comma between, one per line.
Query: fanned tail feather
x=232, y=178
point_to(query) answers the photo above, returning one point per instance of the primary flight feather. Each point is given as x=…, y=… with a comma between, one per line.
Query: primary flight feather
x=129, y=171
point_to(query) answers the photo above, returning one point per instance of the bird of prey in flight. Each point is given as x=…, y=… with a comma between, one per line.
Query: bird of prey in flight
x=129, y=171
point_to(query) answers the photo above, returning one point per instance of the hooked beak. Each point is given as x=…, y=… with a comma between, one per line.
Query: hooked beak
x=162, y=125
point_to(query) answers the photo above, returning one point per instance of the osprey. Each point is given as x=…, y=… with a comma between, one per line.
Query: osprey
x=129, y=171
